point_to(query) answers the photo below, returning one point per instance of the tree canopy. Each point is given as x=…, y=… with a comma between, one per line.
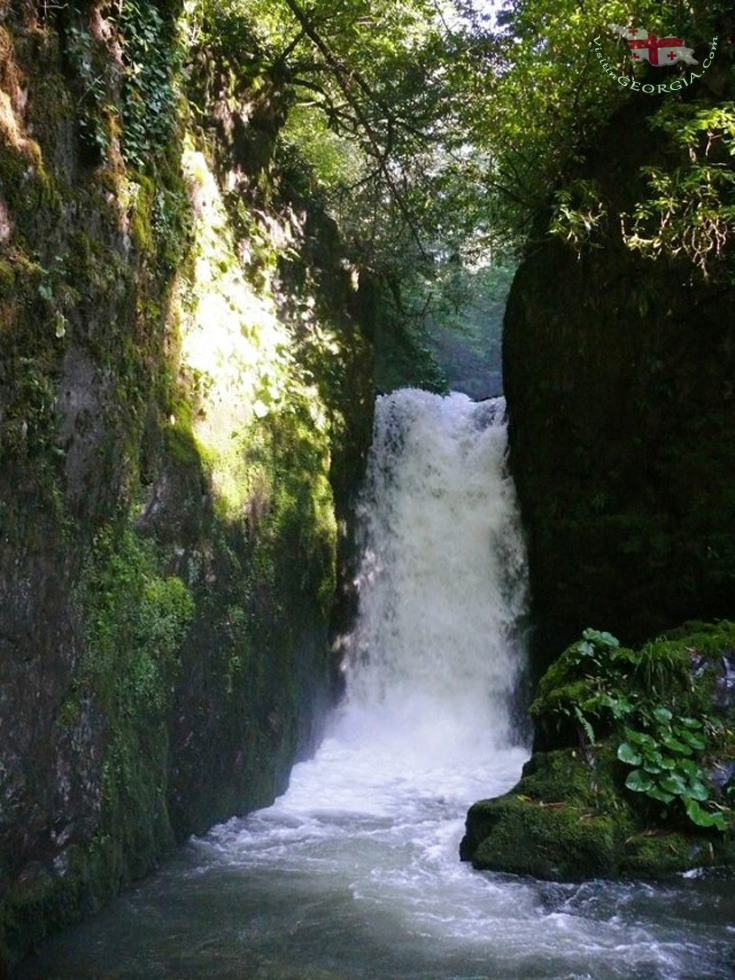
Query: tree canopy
x=457, y=129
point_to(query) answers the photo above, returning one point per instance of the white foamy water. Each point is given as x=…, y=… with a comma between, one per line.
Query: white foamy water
x=354, y=873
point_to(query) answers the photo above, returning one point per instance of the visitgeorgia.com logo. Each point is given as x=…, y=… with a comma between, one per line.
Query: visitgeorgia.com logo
x=658, y=52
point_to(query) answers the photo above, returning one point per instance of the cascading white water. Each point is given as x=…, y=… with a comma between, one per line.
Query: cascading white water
x=354, y=874
x=435, y=657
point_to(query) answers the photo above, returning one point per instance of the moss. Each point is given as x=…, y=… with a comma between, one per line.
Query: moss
x=140, y=223
x=566, y=776
x=708, y=639
x=653, y=854
x=135, y=621
x=81, y=251
x=39, y=903
x=663, y=668
x=7, y=277
x=570, y=820
x=607, y=683
x=571, y=668
x=553, y=842
x=181, y=444
x=188, y=644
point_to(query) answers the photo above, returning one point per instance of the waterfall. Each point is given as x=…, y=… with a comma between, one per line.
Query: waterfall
x=436, y=659
x=437, y=654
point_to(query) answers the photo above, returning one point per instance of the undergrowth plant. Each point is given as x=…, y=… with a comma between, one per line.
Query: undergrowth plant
x=666, y=764
x=643, y=700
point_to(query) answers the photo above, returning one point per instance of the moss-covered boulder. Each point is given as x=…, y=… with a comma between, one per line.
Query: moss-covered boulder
x=570, y=819
x=632, y=773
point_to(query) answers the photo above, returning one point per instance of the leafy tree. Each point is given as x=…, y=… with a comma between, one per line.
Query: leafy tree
x=440, y=129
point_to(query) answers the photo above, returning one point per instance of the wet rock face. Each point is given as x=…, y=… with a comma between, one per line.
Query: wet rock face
x=618, y=376
x=622, y=436
x=724, y=695
x=49, y=790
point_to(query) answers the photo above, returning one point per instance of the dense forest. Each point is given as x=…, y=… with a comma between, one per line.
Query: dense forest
x=225, y=226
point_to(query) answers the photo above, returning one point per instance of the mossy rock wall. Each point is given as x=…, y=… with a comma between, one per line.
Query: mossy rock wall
x=169, y=592
x=619, y=380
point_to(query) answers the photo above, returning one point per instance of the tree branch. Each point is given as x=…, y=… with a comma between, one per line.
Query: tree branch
x=344, y=79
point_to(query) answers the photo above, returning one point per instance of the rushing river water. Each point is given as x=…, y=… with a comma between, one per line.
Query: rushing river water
x=354, y=872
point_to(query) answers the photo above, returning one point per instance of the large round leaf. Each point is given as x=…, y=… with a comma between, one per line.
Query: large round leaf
x=639, y=781
x=628, y=754
x=675, y=784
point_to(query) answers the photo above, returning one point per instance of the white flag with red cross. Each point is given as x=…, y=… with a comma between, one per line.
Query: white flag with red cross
x=656, y=51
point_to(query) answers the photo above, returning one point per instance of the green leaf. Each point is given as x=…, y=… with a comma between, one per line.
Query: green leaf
x=639, y=782
x=689, y=722
x=619, y=706
x=638, y=738
x=627, y=754
x=662, y=715
x=588, y=730
x=659, y=794
x=689, y=766
x=674, y=784
x=601, y=637
x=702, y=817
x=653, y=766
x=697, y=790
x=692, y=738
x=674, y=745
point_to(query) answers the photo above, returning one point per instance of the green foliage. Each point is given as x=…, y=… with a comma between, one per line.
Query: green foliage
x=640, y=701
x=290, y=505
x=368, y=112
x=565, y=820
x=29, y=421
x=526, y=94
x=662, y=667
x=335, y=162
x=545, y=99
x=149, y=98
x=665, y=760
x=582, y=682
x=136, y=619
x=689, y=210
x=88, y=56
x=579, y=212
x=445, y=130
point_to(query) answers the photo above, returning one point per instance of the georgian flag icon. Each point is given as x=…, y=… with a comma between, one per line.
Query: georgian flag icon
x=657, y=51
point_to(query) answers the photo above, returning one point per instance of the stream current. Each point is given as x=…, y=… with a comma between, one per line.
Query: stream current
x=354, y=872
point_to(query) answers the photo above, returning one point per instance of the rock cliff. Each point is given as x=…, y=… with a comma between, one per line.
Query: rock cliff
x=619, y=380
x=185, y=404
